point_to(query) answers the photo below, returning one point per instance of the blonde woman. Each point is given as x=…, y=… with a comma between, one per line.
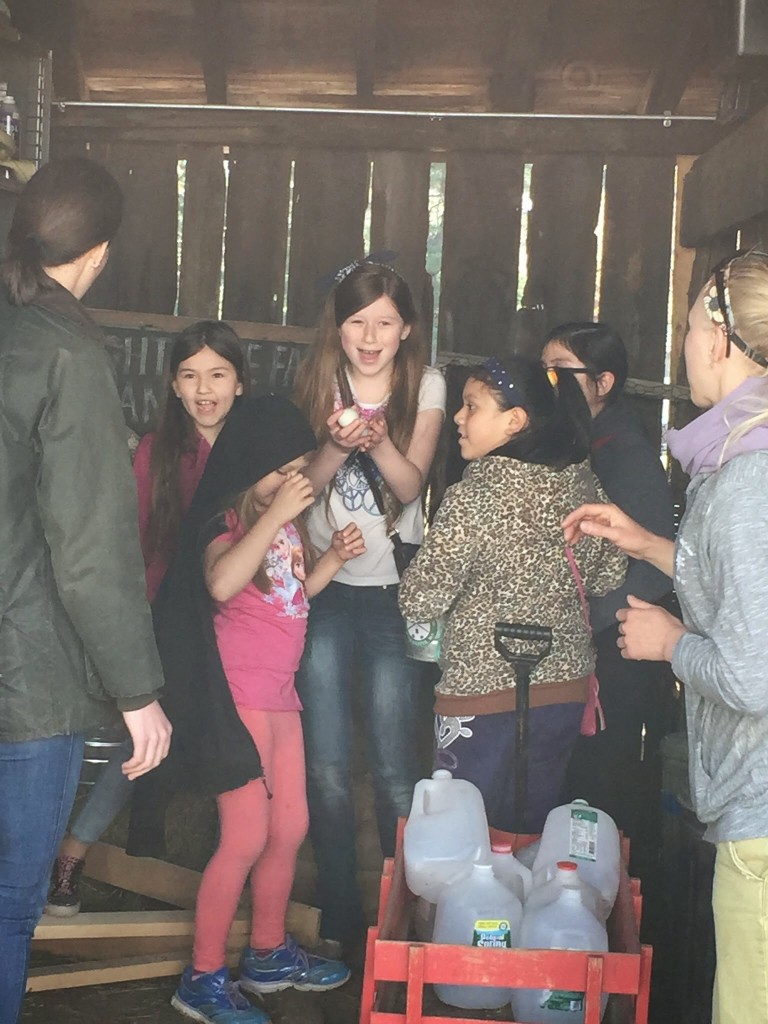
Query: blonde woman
x=720, y=649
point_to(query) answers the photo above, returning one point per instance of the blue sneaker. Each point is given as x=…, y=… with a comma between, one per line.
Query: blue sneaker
x=215, y=999
x=290, y=966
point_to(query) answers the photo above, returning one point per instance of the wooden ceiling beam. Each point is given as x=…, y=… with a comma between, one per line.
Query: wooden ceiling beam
x=512, y=82
x=69, y=80
x=354, y=130
x=728, y=185
x=210, y=35
x=56, y=26
x=366, y=49
x=687, y=26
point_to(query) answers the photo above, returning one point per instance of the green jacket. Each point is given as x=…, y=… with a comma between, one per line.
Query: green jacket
x=76, y=633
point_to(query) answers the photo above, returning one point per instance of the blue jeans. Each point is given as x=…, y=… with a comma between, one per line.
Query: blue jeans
x=106, y=798
x=356, y=637
x=38, y=780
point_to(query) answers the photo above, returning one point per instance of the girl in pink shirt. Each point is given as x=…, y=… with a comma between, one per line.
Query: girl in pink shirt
x=260, y=571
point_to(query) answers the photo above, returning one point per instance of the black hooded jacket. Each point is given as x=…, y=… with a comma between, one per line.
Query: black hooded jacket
x=211, y=750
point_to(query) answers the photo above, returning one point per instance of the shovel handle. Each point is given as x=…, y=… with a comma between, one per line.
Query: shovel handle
x=539, y=635
x=540, y=639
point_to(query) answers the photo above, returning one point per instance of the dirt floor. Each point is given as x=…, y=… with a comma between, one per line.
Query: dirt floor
x=149, y=1001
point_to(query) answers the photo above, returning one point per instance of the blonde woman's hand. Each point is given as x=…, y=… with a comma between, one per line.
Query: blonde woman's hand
x=647, y=632
x=292, y=497
x=348, y=543
x=608, y=521
x=150, y=732
x=349, y=437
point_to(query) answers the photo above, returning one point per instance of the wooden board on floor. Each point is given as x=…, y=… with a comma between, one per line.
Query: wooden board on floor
x=178, y=886
x=107, y=972
x=127, y=924
x=103, y=936
x=145, y=875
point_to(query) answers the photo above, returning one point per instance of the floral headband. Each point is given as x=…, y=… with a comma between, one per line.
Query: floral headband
x=384, y=258
x=717, y=304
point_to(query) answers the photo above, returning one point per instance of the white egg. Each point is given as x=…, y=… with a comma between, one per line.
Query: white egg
x=348, y=416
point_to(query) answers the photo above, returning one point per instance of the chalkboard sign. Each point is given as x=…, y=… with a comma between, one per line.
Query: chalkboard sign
x=140, y=346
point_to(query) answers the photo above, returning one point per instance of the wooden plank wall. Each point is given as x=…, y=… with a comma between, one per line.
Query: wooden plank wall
x=244, y=210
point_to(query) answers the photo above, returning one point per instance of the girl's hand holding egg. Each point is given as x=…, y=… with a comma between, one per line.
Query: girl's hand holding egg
x=346, y=428
x=348, y=416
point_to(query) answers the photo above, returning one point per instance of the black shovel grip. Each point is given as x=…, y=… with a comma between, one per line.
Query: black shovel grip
x=541, y=636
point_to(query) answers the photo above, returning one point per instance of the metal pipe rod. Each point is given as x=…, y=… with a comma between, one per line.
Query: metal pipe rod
x=665, y=119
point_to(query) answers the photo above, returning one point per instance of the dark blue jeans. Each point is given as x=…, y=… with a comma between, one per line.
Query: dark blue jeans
x=356, y=638
x=38, y=780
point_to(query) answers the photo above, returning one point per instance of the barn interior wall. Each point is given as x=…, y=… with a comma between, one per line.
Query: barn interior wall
x=498, y=246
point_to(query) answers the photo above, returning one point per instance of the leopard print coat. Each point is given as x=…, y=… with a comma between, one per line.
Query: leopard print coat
x=495, y=553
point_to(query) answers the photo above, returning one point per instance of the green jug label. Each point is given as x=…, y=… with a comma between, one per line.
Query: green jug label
x=492, y=934
x=568, y=1002
x=583, y=840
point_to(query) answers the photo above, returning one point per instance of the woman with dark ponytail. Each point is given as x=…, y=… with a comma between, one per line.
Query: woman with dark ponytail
x=76, y=639
x=495, y=553
x=70, y=208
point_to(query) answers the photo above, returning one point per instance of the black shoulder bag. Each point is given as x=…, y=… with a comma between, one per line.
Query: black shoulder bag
x=403, y=553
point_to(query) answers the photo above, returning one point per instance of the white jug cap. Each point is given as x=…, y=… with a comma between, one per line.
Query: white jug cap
x=442, y=773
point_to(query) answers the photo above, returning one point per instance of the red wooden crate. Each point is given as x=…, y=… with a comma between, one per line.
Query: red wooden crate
x=391, y=957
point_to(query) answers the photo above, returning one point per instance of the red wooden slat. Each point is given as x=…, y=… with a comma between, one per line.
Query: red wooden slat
x=593, y=990
x=415, y=996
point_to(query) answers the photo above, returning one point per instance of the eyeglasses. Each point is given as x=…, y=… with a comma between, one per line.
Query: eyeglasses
x=723, y=302
x=573, y=370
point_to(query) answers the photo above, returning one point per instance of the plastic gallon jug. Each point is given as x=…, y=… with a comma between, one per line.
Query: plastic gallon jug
x=508, y=869
x=563, y=923
x=587, y=836
x=446, y=832
x=565, y=877
x=424, y=919
x=527, y=854
x=478, y=910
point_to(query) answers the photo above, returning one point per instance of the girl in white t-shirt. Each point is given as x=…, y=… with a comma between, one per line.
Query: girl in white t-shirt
x=369, y=356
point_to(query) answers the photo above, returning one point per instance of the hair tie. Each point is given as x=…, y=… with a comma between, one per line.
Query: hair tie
x=33, y=241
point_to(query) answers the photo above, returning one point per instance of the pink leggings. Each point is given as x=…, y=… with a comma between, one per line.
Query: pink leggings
x=260, y=837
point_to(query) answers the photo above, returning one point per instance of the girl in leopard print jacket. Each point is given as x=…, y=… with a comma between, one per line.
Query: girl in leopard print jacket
x=495, y=553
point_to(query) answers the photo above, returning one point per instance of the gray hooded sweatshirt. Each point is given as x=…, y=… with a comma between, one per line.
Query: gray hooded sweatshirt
x=721, y=578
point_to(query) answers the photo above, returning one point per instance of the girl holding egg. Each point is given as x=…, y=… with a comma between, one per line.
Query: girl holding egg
x=377, y=410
